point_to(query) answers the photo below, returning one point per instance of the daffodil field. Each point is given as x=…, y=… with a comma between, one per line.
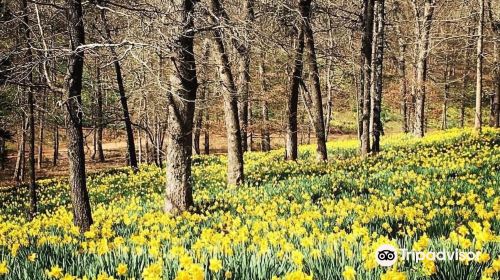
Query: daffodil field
x=291, y=220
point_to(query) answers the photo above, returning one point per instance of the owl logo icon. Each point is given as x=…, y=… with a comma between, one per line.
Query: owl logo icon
x=386, y=255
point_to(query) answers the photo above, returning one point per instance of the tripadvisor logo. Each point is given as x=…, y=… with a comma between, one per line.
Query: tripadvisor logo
x=387, y=255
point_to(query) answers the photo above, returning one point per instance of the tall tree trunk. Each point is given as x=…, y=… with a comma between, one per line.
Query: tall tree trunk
x=317, y=102
x=206, y=130
x=265, y=143
x=479, y=68
x=378, y=82
x=234, y=143
x=21, y=149
x=444, y=117
x=179, y=195
x=401, y=65
x=201, y=99
x=82, y=214
x=495, y=110
x=55, y=144
x=423, y=34
x=41, y=131
x=293, y=97
x=132, y=157
x=100, y=118
x=31, y=113
x=243, y=48
x=366, y=51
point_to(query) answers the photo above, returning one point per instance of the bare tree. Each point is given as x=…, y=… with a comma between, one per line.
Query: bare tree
x=82, y=214
x=423, y=22
x=495, y=26
x=31, y=113
x=378, y=37
x=293, y=98
x=132, y=157
x=366, y=51
x=234, y=143
x=479, y=68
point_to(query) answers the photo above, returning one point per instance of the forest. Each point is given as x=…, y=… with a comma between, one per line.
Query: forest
x=249, y=139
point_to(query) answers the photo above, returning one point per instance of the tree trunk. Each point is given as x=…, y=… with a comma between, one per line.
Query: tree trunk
x=243, y=49
x=21, y=148
x=444, y=117
x=495, y=108
x=41, y=131
x=82, y=215
x=365, y=98
x=179, y=193
x=201, y=99
x=31, y=113
x=293, y=98
x=479, y=68
x=206, y=130
x=55, y=145
x=423, y=35
x=132, y=157
x=235, y=152
x=379, y=63
x=317, y=102
x=265, y=144
x=100, y=118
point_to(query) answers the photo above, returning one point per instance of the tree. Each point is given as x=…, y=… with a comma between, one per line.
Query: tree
x=378, y=37
x=82, y=214
x=479, y=68
x=181, y=102
x=132, y=157
x=423, y=21
x=234, y=143
x=293, y=97
x=495, y=26
x=366, y=51
x=31, y=114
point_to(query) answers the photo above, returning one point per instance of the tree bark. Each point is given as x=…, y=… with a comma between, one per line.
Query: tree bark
x=293, y=97
x=423, y=34
x=100, y=118
x=82, y=215
x=132, y=157
x=179, y=193
x=31, y=113
x=495, y=108
x=243, y=48
x=21, y=149
x=378, y=82
x=444, y=117
x=317, y=102
x=366, y=51
x=235, y=151
x=479, y=69
x=265, y=144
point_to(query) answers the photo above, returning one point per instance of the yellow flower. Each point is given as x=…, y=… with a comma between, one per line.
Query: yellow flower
x=297, y=258
x=121, y=269
x=3, y=268
x=429, y=267
x=393, y=275
x=483, y=257
x=228, y=275
x=495, y=265
x=153, y=272
x=68, y=277
x=349, y=273
x=32, y=257
x=55, y=272
x=298, y=275
x=215, y=265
